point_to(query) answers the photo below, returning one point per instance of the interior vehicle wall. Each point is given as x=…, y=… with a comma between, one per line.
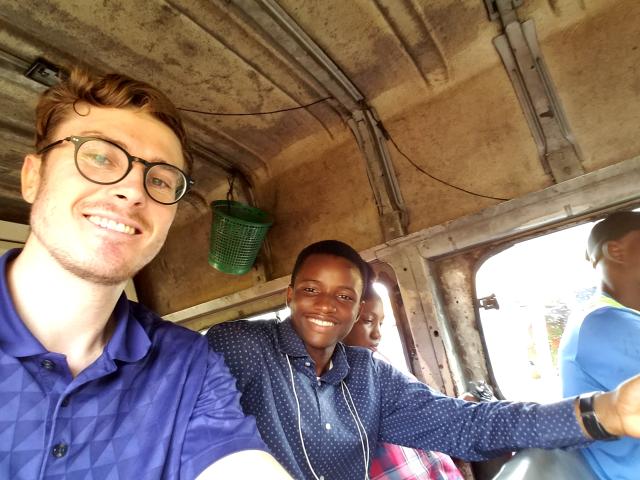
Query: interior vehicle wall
x=595, y=64
x=456, y=116
x=455, y=277
x=319, y=189
x=472, y=132
x=313, y=192
x=429, y=68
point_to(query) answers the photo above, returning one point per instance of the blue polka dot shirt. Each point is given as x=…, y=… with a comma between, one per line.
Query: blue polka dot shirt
x=392, y=407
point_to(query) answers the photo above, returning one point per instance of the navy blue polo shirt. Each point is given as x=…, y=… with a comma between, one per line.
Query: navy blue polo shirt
x=360, y=389
x=156, y=404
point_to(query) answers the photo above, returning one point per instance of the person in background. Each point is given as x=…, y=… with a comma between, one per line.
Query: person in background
x=323, y=407
x=93, y=385
x=389, y=461
x=602, y=348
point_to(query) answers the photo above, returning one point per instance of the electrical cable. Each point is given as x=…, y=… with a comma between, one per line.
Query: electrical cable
x=384, y=131
x=243, y=114
x=420, y=169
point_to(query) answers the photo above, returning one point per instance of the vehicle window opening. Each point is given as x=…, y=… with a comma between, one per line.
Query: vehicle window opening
x=526, y=294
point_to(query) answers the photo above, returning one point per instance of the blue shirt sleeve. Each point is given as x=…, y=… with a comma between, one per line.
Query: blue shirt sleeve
x=415, y=416
x=241, y=344
x=607, y=349
x=217, y=426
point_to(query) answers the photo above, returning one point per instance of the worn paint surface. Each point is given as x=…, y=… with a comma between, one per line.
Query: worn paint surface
x=456, y=279
x=428, y=67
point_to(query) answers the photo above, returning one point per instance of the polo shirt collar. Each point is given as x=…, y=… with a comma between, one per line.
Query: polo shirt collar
x=291, y=344
x=129, y=342
x=15, y=338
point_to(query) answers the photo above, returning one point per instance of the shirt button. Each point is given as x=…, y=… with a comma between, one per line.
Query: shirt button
x=327, y=426
x=59, y=450
x=47, y=364
x=65, y=401
x=319, y=383
x=307, y=364
x=321, y=477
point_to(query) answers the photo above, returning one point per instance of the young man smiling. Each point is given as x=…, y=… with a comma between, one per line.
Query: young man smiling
x=93, y=386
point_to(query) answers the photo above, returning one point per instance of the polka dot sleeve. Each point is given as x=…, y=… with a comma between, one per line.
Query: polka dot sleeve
x=415, y=416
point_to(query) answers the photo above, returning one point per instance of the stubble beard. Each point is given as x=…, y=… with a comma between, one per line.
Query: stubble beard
x=86, y=269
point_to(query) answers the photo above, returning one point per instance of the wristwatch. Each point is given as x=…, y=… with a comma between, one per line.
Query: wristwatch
x=589, y=418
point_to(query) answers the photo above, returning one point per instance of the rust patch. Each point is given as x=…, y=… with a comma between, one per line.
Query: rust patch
x=455, y=23
x=328, y=196
x=188, y=48
x=456, y=276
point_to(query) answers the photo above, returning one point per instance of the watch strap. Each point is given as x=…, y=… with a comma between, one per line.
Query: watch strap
x=589, y=418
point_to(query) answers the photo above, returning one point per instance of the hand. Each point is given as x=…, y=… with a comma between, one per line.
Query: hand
x=619, y=410
x=245, y=464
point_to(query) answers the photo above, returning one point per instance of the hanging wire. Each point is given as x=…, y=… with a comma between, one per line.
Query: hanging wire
x=384, y=131
x=422, y=170
x=242, y=114
x=231, y=179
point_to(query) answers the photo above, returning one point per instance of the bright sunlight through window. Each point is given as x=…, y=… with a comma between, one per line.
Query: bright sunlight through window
x=538, y=284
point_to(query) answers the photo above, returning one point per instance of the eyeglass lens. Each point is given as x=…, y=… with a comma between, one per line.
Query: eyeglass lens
x=103, y=162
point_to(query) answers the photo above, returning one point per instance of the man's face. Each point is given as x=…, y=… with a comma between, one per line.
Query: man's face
x=366, y=331
x=102, y=233
x=324, y=301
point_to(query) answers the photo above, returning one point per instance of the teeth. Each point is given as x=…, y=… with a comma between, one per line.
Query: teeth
x=112, y=225
x=322, y=323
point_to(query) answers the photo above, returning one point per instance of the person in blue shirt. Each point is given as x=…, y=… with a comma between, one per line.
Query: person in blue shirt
x=92, y=385
x=600, y=349
x=323, y=407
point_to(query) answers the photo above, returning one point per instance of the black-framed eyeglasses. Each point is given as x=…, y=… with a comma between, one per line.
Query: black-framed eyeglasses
x=103, y=162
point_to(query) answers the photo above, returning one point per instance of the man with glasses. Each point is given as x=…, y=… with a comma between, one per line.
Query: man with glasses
x=92, y=385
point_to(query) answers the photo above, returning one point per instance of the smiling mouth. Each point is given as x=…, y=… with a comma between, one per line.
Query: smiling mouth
x=321, y=323
x=109, y=224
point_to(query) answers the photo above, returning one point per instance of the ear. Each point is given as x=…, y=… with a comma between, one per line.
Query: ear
x=31, y=177
x=613, y=250
x=289, y=297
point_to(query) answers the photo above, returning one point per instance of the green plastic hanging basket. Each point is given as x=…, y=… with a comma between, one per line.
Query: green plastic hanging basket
x=237, y=232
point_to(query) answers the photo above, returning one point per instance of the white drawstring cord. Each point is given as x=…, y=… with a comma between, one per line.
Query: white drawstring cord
x=356, y=419
x=293, y=384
